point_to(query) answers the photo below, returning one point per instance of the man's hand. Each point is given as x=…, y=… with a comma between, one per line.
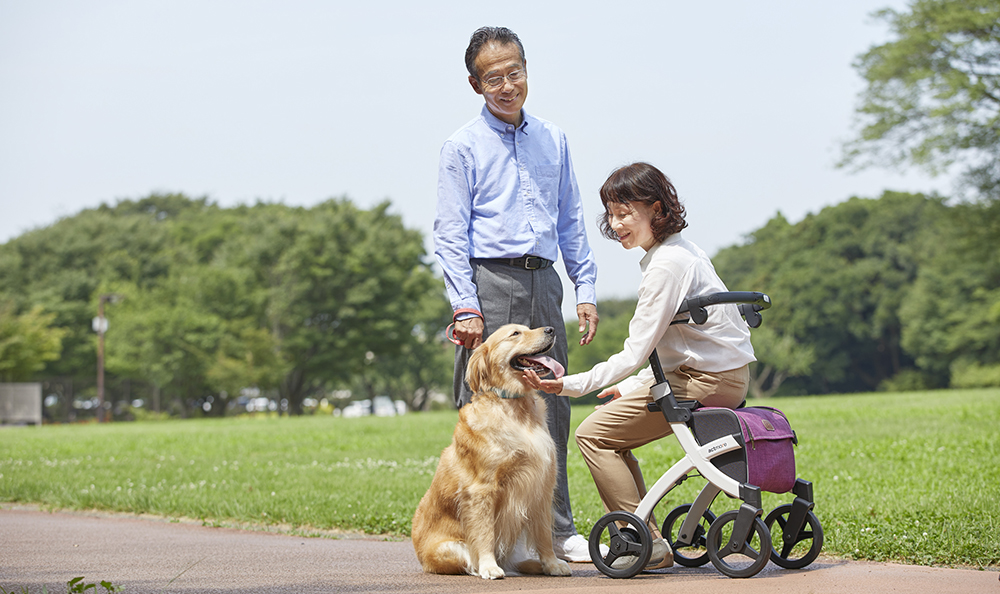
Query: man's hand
x=587, y=312
x=469, y=332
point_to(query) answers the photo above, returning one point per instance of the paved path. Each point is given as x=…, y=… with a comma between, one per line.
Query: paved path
x=146, y=555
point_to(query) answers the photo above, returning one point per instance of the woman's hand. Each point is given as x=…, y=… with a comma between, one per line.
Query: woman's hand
x=613, y=392
x=549, y=386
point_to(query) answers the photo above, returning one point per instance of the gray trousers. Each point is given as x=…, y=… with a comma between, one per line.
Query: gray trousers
x=509, y=295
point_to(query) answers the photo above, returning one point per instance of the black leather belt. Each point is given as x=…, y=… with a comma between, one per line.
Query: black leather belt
x=526, y=262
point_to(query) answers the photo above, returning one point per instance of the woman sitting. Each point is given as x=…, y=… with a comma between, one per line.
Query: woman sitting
x=708, y=362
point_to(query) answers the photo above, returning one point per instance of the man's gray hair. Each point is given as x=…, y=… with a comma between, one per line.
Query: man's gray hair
x=485, y=35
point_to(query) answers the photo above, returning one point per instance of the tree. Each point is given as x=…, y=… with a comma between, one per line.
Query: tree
x=837, y=280
x=287, y=300
x=424, y=363
x=336, y=283
x=780, y=357
x=933, y=94
x=615, y=317
x=27, y=342
x=952, y=315
x=60, y=267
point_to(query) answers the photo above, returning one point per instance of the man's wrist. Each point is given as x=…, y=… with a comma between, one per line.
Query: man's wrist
x=465, y=313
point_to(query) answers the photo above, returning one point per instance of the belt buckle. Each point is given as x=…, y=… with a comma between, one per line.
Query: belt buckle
x=527, y=262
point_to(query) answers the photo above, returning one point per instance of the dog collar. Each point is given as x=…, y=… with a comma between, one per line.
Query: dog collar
x=505, y=394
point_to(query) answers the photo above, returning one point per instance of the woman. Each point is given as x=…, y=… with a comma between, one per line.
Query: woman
x=708, y=363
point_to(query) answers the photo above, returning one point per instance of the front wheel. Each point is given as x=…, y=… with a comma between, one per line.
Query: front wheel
x=629, y=545
x=738, y=559
x=800, y=551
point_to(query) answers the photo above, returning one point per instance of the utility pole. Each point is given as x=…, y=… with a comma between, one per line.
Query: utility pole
x=101, y=326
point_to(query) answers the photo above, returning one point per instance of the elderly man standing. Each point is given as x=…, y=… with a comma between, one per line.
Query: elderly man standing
x=508, y=203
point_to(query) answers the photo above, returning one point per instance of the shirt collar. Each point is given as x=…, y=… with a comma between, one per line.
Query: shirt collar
x=670, y=240
x=501, y=127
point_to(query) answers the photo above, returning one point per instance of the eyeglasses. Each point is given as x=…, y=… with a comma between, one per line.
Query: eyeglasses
x=495, y=82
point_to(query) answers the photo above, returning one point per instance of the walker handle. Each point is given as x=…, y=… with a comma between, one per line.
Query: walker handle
x=751, y=303
x=699, y=315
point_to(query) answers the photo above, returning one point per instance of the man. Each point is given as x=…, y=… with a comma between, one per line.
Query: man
x=508, y=203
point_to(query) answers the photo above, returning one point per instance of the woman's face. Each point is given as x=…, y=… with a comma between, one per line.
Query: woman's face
x=632, y=223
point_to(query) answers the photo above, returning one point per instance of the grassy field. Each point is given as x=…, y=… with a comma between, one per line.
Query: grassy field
x=912, y=477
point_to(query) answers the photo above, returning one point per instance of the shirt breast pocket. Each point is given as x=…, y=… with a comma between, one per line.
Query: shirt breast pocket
x=547, y=179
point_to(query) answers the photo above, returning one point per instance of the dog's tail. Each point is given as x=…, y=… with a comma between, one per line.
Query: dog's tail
x=448, y=557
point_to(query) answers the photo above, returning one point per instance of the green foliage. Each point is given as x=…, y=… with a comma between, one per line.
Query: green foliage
x=612, y=330
x=77, y=585
x=61, y=268
x=837, y=280
x=424, y=363
x=933, y=94
x=27, y=342
x=896, y=293
x=289, y=301
x=953, y=311
x=779, y=356
x=973, y=375
x=886, y=469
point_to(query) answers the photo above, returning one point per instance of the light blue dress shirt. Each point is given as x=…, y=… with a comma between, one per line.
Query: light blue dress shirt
x=506, y=192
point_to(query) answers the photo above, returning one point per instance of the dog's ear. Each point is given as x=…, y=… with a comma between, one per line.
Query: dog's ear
x=478, y=368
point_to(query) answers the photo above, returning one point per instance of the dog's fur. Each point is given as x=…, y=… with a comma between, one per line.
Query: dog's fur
x=492, y=491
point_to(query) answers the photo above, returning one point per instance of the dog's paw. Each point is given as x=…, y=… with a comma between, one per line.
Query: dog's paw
x=556, y=567
x=492, y=572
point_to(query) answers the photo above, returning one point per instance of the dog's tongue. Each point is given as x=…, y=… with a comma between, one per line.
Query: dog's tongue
x=550, y=364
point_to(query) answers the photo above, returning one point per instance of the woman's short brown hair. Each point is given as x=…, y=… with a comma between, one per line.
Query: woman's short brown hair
x=641, y=182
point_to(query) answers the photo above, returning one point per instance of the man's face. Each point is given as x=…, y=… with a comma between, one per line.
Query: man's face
x=495, y=64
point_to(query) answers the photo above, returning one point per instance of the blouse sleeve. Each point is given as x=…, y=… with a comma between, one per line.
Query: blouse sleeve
x=660, y=296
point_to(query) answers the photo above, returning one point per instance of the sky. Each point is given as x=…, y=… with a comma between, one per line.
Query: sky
x=744, y=105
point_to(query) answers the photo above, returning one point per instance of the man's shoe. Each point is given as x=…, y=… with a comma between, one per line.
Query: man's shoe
x=575, y=549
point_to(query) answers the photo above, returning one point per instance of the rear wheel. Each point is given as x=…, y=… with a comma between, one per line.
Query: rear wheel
x=693, y=552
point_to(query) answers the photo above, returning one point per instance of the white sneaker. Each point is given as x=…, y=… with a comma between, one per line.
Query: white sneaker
x=575, y=549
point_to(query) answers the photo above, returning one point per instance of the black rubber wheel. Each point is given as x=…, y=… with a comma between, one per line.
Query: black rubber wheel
x=803, y=550
x=688, y=555
x=749, y=558
x=632, y=543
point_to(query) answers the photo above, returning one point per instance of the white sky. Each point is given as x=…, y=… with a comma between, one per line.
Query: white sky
x=742, y=104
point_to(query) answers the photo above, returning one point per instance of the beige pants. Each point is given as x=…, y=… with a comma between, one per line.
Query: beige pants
x=608, y=436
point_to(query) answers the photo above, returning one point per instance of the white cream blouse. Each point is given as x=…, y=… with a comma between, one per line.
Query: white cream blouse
x=671, y=272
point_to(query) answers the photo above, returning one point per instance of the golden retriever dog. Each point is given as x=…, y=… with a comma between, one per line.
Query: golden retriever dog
x=492, y=491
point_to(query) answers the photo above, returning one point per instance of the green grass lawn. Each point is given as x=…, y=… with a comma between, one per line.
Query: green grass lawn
x=911, y=477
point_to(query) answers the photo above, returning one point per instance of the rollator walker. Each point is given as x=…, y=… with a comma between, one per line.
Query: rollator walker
x=727, y=448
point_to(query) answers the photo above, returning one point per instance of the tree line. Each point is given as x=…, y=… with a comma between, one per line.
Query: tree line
x=900, y=292
x=205, y=303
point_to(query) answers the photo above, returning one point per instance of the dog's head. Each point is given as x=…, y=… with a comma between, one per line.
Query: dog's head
x=499, y=362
